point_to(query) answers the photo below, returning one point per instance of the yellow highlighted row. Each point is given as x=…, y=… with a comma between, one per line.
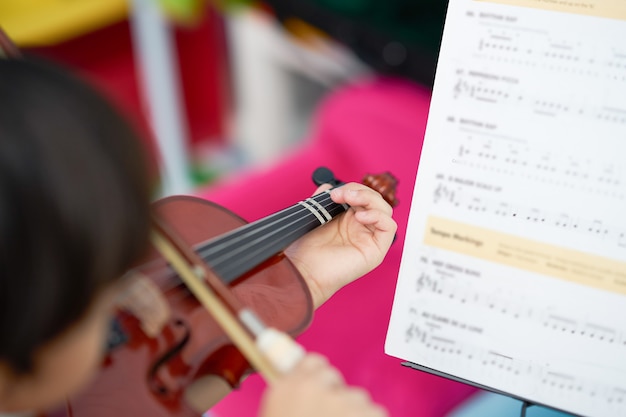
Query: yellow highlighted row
x=570, y=265
x=613, y=9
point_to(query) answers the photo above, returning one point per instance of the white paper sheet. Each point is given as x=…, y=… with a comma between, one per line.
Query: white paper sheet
x=514, y=267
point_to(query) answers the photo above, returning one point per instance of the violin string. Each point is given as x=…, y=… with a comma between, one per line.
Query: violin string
x=224, y=241
x=244, y=254
x=255, y=250
x=247, y=231
x=254, y=234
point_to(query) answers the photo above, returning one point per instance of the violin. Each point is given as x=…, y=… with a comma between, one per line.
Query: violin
x=153, y=376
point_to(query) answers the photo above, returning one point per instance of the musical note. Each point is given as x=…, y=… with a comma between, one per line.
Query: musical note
x=465, y=198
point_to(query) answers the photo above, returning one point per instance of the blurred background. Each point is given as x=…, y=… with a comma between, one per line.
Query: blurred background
x=218, y=86
x=275, y=88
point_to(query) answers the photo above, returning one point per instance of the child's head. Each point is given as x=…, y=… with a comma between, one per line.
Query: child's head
x=74, y=215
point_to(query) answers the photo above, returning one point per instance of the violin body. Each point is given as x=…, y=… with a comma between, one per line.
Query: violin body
x=145, y=376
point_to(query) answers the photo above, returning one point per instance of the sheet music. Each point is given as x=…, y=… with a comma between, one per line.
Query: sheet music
x=514, y=267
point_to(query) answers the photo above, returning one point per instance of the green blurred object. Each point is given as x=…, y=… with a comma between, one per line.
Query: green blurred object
x=183, y=11
x=236, y=3
x=202, y=175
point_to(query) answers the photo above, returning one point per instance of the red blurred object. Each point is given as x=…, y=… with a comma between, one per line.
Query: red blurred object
x=105, y=57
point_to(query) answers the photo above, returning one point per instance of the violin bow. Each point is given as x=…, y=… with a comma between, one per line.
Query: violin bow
x=269, y=351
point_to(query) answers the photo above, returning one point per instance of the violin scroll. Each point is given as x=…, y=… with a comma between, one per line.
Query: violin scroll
x=385, y=184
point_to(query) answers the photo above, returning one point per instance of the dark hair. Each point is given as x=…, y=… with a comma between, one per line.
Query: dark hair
x=74, y=203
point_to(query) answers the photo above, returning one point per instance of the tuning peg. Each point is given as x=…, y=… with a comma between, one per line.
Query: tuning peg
x=323, y=175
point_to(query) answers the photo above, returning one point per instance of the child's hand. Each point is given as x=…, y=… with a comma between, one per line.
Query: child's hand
x=316, y=389
x=142, y=298
x=348, y=247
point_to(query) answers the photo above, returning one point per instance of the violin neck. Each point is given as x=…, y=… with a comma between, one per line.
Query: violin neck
x=233, y=254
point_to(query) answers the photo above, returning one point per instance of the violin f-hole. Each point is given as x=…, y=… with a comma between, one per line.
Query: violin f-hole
x=160, y=380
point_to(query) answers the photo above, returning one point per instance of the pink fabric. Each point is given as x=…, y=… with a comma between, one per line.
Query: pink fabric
x=370, y=127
